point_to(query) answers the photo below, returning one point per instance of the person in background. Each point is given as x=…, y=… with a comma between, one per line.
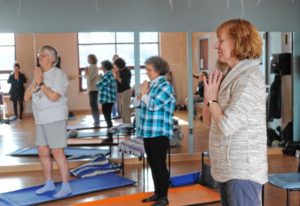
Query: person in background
x=1, y=97
x=92, y=77
x=50, y=110
x=157, y=105
x=123, y=77
x=17, y=80
x=201, y=85
x=235, y=110
x=116, y=110
x=107, y=93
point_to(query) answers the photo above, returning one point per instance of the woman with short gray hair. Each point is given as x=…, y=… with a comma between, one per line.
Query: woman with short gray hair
x=157, y=103
x=49, y=105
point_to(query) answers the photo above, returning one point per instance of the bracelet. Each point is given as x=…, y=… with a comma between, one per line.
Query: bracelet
x=211, y=101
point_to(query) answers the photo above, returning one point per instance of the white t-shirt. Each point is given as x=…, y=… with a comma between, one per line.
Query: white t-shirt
x=47, y=111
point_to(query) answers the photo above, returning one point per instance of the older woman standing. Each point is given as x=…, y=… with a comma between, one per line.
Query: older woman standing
x=235, y=109
x=50, y=110
x=157, y=105
x=17, y=80
x=107, y=93
x=123, y=77
x=92, y=77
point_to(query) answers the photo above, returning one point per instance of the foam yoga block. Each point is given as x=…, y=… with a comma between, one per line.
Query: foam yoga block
x=185, y=179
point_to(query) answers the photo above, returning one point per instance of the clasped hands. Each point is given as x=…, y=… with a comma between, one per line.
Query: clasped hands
x=212, y=85
x=144, y=89
x=38, y=76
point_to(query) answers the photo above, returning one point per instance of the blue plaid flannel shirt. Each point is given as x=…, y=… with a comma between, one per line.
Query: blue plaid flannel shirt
x=156, y=117
x=107, y=88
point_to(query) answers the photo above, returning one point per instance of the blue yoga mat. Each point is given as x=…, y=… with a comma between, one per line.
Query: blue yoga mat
x=69, y=151
x=27, y=196
x=99, y=133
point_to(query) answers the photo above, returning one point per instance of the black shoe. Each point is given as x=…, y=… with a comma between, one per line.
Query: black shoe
x=162, y=202
x=152, y=198
x=108, y=140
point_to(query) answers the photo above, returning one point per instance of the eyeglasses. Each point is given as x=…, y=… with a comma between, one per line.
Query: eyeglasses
x=42, y=55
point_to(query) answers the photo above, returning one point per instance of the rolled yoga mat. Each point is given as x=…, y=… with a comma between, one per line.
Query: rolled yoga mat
x=27, y=196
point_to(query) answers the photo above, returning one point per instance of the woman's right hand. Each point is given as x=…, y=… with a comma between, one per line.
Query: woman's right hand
x=212, y=87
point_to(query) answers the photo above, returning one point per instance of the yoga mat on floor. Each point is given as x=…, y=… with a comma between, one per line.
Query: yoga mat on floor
x=84, y=126
x=186, y=195
x=69, y=151
x=89, y=142
x=99, y=133
x=27, y=196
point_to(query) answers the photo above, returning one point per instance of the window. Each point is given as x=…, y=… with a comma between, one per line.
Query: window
x=105, y=44
x=7, y=59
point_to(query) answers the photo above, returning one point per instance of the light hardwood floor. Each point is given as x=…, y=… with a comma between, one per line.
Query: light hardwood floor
x=21, y=134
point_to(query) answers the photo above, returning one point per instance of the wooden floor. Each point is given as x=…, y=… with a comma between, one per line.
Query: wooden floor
x=21, y=134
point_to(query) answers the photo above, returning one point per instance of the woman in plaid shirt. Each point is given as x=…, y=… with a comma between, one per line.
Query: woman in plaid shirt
x=107, y=91
x=157, y=105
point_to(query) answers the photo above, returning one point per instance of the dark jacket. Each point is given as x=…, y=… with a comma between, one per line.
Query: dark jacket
x=17, y=88
x=275, y=99
x=125, y=75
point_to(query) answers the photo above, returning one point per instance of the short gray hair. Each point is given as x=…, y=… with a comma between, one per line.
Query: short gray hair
x=52, y=51
x=159, y=64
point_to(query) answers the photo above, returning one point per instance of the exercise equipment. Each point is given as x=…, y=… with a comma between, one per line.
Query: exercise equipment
x=187, y=195
x=97, y=166
x=27, y=196
x=82, y=134
x=185, y=179
x=69, y=151
x=83, y=127
x=90, y=142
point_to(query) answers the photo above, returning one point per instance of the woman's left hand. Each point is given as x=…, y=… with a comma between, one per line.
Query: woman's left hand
x=38, y=74
x=212, y=87
x=144, y=88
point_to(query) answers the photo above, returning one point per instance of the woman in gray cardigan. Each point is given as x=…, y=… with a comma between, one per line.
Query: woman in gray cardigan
x=235, y=110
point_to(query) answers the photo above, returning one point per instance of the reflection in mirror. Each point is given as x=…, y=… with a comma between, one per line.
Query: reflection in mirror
x=73, y=49
x=279, y=87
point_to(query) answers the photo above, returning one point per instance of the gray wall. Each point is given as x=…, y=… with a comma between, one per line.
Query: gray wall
x=137, y=15
x=152, y=15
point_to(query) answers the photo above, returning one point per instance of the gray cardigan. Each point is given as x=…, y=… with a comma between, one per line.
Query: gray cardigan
x=238, y=146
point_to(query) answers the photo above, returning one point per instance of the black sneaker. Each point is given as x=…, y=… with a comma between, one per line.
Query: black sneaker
x=162, y=202
x=152, y=198
x=107, y=140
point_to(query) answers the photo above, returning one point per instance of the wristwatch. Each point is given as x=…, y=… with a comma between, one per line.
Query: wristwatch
x=41, y=84
x=211, y=101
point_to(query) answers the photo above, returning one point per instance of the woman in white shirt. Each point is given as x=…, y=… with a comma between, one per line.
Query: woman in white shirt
x=50, y=110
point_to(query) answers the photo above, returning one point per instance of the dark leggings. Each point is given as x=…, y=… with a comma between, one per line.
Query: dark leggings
x=93, y=95
x=21, y=103
x=106, y=109
x=156, y=149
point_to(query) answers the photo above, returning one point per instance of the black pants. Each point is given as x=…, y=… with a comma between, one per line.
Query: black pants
x=21, y=103
x=93, y=95
x=106, y=109
x=156, y=149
